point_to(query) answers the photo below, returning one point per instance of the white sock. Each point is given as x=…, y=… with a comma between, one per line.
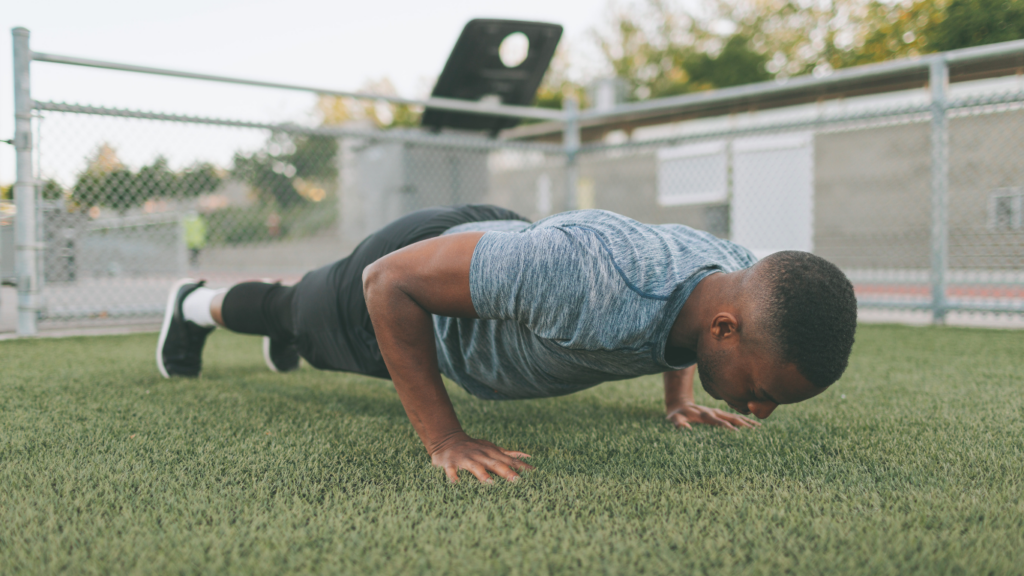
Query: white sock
x=196, y=307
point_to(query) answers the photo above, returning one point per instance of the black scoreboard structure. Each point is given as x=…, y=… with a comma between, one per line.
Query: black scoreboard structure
x=501, y=61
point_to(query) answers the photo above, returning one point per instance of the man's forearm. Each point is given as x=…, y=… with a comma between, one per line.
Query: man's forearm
x=679, y=387
x=402, y=291
x=405, y=334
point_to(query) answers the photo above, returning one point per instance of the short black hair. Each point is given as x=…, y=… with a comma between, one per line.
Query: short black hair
x=810, y=313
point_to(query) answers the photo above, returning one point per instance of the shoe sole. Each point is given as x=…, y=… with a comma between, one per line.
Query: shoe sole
x=266, y=355
x=269, y=362
x=165, y=328
x=266, y=339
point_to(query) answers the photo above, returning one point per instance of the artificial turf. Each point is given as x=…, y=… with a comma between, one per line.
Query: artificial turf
x=912, y=464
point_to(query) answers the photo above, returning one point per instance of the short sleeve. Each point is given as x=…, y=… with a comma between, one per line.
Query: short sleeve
x=543, y=278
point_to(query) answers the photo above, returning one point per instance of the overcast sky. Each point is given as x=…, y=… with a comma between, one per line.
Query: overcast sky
x=331, y=44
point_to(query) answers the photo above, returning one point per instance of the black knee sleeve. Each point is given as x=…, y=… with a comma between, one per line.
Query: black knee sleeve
x=260, y=308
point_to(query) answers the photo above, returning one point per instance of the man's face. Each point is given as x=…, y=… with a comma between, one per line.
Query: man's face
x=750, y=383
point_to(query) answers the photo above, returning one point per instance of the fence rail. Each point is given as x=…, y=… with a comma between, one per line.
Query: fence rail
x=920, y=203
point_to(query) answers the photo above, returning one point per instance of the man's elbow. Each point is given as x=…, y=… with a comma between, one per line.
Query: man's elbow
x=373, y=279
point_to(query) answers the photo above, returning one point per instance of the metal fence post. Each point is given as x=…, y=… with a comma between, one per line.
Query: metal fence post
x=938, y=80
x=27, y=243
x=571, y=146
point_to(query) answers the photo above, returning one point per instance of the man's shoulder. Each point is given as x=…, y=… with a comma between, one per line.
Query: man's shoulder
x=608, y=221
x=592, y=217
x=635, y=244
x=488, y=226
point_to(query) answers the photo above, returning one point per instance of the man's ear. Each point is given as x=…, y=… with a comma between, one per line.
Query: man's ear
x=724, y=325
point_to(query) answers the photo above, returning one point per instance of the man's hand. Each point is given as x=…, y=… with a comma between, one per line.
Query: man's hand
x=683, y=411
x=690, y=413
x=479, y=457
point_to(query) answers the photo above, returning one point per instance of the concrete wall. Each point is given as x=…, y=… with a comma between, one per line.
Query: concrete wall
x=522, y=188
x=872, y=198
x=986, y=153
x=382, y=181
x=872, y=189
x=626, y=182
x=873, y=193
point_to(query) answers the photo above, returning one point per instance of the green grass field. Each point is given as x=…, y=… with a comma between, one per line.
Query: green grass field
x=912, y=464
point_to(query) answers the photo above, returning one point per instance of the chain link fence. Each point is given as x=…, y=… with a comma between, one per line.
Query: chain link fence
x=129, y=204
x=130, y=201
x=854, y=189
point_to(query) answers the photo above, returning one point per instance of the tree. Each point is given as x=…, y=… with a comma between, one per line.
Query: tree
x=661, y=50
x=52, y=190
x=107, y=182
x=975, y=22
x=199, y=179
x=557, y=84
x=282, y=170
x=736, y=64
x=155, y=179
x=335, y=110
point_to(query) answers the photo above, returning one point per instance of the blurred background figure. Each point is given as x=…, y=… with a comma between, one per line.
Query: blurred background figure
x=195, y=237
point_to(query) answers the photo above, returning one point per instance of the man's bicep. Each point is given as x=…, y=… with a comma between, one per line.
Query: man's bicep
x=434, y=273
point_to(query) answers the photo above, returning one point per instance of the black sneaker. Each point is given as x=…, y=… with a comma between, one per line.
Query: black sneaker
x=179, y=352
x=280, y=357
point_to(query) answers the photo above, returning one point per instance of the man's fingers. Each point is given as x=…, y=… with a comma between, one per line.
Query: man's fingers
x=680, y=421
x=481, y=459
x=716, y=421
x=503, y=470
x=737, y=419
x=507, y=459
x=477, y=469
x=453, y=474
x=740, y=420
x=711, y=417
x=520, y=465
x=511, y=458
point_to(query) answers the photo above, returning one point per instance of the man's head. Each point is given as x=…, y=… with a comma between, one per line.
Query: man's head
x=786, y=338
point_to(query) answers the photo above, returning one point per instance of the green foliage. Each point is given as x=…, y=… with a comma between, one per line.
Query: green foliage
x=660, y=49
x=911, y=464
x=52, y=190
x=551, y=95
x=7, y=192
x=736, y=64
x=403, y=116
x=287, y=163
x=885, y=32
x=976, y=22
x=121, y=188
x=557, y=84
x=335, y=110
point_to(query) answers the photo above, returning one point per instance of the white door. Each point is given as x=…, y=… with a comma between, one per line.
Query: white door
x=773, y=193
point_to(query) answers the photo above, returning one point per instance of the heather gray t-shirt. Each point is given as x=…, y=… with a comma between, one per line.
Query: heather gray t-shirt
x=574, y=300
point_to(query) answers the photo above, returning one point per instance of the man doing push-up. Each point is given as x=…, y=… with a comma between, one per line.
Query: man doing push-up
x=509, y=309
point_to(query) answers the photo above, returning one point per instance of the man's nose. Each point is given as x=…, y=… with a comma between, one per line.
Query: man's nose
x=761, y=409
